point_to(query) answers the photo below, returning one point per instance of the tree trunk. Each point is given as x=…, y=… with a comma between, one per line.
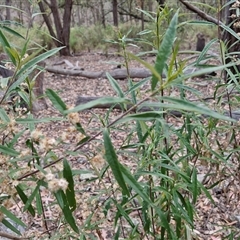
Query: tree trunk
x=115, y=12
x=230, y=12
x=142, y=15
x=8, y=15
x=102, y=14
x=62, y=29
x=39, y=102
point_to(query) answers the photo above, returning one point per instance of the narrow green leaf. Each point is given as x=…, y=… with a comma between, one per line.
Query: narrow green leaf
x=11, y=216
x=30, y=120
x=10, y=226
x=180, y=104
x=137, y=85
x=131, y=181
x=24, y=199
x=13, y=52
x=113, y=162
x=70, y=193
x=4, y=41
x=145, y=116
x=38, y=59
x=8, y=151
x=31, y=198
x=124, y=214
x=12, y=31
x=194, y=185
x=63, y=203
x=115, y=85
x=56, y=101
x=59, y=198
x=165, y=49
x=98, y=102
x=39, y=203
x=4, y=116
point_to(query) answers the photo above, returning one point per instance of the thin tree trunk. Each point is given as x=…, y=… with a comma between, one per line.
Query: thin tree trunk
x=142, y=15
x=62, y=28
x=67, y=26
x=115, y=12
x=8, y=15
x=103, y=14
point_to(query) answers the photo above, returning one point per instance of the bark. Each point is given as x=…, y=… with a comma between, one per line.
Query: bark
x=103, y=20
x=62, y=28
x=39, y=102
x=115, y=12
x=142, y=15
x=116, y=73
x=8, y=15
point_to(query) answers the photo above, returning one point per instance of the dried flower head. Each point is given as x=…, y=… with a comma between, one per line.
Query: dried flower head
x=49, y=177
x=47, y=144
x=36, y=134
x=53, y=185
x=12, y=125
x=63, y=184
x=73, y=117
x=98, y=161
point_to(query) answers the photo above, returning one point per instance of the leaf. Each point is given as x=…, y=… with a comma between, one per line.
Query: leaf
x=113, y=162
x=24, y=199
x=194, y=186
x=8, y=151
x=146, y=116
x=4, y=116
x=12, y=52
x=115, y=85
x=38, y=59
x=165, y=49
x=31, y=198
x=131, y=181
x=41, y=120
x=105, y=100
x=124, y=213
x=10, y=226
x=12, y=31
x=56, y=101
x=4, y=41
x=70, y=193
x=5, y=44
x=63, y=203
x=184, y=105
x=11, y=216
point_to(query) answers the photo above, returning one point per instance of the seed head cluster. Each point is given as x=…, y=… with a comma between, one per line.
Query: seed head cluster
x=55, y=184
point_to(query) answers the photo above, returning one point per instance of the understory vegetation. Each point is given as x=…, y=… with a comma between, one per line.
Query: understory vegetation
x=154, y=197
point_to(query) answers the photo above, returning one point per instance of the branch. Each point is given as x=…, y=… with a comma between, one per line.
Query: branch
x=116, y=73
x=9, y=236
x=200, y=13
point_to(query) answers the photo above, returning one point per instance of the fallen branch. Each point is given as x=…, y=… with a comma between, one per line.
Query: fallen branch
x=116, y=73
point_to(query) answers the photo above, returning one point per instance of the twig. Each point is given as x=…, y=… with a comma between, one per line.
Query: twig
x=9, y=236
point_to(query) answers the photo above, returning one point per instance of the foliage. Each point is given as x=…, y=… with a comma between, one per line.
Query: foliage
x=154, y=198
